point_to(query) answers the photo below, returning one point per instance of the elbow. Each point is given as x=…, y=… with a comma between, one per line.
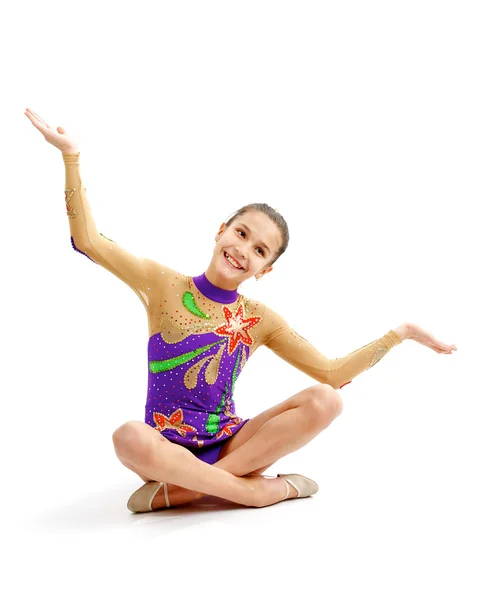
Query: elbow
x=336, y=384
x=79, y=250
x=330, y=382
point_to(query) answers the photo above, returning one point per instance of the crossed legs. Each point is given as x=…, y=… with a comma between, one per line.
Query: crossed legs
x=261, y=441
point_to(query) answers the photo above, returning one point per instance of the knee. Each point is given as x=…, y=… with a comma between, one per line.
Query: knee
x=325, y=403
x=131, y=439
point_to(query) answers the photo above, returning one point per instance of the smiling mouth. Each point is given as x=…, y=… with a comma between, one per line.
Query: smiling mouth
x=227, y=257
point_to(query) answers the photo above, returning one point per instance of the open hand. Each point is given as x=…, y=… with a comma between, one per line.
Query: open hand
x=416, y=333
x=57, y=137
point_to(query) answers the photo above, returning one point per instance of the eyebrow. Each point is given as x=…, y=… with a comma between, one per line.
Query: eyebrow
x=249, y=231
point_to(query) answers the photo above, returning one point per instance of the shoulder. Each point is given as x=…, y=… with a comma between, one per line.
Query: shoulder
x=161, y=277
x=256, y=308
x=161, y=270
x=270, y=319
x=251, y=306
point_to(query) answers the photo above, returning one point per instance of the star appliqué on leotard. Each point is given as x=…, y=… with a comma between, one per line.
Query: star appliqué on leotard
x=237, y=327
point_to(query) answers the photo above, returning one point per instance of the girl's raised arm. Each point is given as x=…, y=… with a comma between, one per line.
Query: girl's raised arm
x=140, y=274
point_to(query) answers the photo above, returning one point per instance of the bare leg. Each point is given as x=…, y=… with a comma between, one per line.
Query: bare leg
x=148, y=452
x=278, y=431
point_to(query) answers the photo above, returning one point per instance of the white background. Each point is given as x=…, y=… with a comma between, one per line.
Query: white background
x=366, y=125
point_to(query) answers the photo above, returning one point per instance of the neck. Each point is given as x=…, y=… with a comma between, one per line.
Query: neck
x=208, y=287
x=220, y=282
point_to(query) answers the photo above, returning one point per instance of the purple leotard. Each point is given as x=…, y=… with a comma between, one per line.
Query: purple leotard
x=201, y=418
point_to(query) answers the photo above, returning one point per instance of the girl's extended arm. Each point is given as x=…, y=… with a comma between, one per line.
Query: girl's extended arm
x=300, y=353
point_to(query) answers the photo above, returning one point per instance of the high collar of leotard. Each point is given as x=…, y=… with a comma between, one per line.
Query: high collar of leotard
x=213, y=292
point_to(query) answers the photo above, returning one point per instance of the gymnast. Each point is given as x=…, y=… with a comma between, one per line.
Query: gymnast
x=202, y=332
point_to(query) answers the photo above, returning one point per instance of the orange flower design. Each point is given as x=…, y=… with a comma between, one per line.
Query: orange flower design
x=175, y=421
x=227, y=428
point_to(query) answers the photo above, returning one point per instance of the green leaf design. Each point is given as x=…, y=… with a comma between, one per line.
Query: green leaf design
x=157, y=366
x=213, y=420
x=190, y=304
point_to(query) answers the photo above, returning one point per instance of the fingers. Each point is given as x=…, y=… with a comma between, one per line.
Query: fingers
x=38, y=117
x=34, y=121
x=446, y=349
x=440, y=346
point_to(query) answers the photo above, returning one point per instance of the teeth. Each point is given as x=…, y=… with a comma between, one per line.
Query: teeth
x=231, y=261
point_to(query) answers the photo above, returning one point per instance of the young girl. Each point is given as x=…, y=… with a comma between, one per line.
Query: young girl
x=202, y=332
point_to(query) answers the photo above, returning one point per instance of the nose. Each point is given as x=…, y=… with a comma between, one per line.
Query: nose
x=239, y=254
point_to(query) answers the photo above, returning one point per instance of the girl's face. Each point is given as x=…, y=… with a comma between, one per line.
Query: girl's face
x=252, y=240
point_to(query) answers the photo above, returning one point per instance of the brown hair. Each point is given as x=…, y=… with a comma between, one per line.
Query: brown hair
x=274, y=215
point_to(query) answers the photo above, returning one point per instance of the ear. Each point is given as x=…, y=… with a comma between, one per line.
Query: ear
x=220, y=232
x=260, y=274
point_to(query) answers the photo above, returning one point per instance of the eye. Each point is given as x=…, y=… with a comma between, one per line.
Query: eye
x=241, y=231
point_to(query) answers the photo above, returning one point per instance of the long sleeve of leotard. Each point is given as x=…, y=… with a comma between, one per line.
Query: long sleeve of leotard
x=86, y=239
x=300, y=353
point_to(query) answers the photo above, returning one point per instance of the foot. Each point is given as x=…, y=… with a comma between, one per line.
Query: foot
x=271, y=490
x=176, y=496
x=291, y=491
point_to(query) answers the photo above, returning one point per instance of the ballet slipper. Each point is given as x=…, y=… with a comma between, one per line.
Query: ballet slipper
x=142, y=498
x=303, y=485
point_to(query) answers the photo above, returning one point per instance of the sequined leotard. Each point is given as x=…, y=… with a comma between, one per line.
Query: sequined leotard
x=201, y=336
